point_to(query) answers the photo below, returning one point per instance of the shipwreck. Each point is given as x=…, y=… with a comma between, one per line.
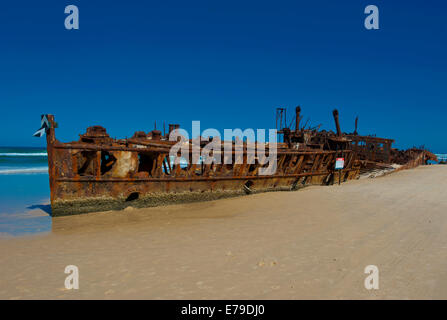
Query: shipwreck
x=100, y=173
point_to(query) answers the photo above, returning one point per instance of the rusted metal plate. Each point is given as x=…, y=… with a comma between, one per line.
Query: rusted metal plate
x=98, y=173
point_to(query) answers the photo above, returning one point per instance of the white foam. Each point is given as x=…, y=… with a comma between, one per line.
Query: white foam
x=24, y=170
x=19, y=154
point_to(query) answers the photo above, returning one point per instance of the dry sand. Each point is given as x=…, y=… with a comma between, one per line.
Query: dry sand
x=312, y=243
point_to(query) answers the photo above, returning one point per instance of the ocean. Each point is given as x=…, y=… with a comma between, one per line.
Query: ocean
x=24, y=191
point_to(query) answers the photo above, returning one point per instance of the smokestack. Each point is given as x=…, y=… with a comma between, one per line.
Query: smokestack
x=337, y=123
x=356, y=123
x=297, y=121
x=156, y=135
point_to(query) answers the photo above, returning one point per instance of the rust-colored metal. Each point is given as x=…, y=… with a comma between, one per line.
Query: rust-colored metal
x=371, y=152
x=297, y=119
x=337, y=122
x=98, y=173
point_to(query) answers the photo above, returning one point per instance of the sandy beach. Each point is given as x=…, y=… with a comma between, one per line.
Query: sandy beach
x=309, y=244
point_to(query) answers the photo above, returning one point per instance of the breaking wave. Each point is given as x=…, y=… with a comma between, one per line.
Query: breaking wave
x=23, y=154
x=24, y=170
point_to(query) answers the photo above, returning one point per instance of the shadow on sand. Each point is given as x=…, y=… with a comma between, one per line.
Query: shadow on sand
x=44, y=207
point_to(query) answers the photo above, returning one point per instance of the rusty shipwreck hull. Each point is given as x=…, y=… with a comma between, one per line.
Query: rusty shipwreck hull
x=98, y=173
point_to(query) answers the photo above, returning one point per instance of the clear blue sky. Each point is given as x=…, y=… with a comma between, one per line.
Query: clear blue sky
x=225, y=63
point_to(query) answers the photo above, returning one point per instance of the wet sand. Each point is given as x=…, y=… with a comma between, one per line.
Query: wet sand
x=312, y=243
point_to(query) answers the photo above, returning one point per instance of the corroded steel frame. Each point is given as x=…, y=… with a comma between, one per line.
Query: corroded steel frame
x=371, y=148
x=109, y=174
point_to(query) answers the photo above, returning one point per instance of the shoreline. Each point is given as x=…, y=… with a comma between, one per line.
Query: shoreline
x=17, y=221
x=309, y=244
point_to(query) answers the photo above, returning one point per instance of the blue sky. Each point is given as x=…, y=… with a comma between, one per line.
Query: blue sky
x=228, y=64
